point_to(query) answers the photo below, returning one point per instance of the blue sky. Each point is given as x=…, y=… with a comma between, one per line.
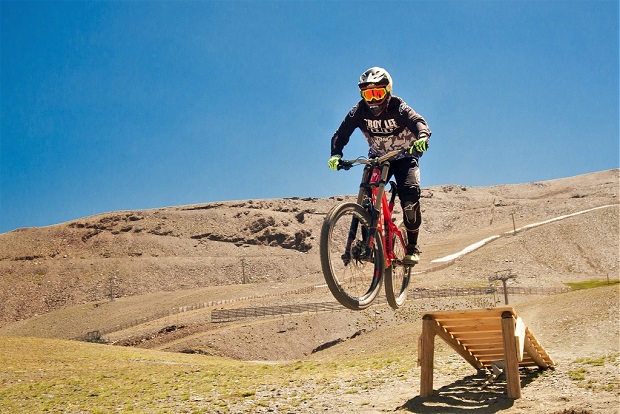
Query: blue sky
x=123, y=105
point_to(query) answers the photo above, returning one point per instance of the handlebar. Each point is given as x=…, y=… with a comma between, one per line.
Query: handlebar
x=347, y=164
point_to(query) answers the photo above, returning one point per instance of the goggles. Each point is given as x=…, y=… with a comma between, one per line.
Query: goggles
x=374, y=93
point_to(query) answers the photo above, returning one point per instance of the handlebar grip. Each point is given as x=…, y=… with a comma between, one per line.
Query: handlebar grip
x=343, y=165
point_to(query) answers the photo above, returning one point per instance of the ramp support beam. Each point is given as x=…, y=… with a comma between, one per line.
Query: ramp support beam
x=426, y=355
x=513, y=382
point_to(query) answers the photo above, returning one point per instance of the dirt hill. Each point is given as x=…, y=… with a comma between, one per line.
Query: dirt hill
x=124, y=254
x=154, y=278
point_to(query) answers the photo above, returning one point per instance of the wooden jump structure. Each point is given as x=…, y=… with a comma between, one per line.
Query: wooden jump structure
x=485, y=338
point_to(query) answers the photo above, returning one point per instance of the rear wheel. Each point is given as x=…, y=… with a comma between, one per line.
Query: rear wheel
x=398, y=276
x=352, y=272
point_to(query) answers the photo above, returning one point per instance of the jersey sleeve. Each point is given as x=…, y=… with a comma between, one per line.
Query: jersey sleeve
x=344, y=131
x=415, y=122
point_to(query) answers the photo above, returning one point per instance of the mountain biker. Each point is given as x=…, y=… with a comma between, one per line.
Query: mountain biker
x=388, y=124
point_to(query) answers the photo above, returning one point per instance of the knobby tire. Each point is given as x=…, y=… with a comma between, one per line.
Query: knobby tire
x=356, y=283
x=397, y=276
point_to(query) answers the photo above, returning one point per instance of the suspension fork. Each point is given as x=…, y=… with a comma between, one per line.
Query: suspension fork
x=352, y=232
x=361, y=199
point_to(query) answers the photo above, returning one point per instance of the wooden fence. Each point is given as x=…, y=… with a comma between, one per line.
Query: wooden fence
x=230, y=315
x=456, y=292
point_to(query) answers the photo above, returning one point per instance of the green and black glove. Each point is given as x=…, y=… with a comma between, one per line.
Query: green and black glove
x=333, y=162
x=419, y=145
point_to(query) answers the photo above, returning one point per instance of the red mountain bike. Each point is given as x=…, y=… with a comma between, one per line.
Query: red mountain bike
x=361, y=245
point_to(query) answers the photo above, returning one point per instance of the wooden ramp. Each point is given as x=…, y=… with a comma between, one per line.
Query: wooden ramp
x=485, y=338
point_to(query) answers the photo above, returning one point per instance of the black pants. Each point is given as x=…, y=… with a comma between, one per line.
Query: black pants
x=406, y=172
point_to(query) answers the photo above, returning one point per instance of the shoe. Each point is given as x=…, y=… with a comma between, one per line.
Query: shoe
x=412, y=257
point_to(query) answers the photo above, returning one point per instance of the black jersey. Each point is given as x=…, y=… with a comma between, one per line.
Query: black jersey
x=394, y=128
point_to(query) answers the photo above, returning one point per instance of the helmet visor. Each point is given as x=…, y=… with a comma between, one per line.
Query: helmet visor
x=374, y=94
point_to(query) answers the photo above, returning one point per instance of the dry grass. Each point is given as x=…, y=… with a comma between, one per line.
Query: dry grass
x=47, y=375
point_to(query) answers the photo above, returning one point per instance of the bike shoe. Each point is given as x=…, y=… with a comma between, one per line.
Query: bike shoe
x=412, y=257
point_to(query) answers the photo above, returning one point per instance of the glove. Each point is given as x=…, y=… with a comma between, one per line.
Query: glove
x=419, y=145
x=333, y=162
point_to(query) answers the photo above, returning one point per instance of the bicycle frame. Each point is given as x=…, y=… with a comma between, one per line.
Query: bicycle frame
x=374, y=180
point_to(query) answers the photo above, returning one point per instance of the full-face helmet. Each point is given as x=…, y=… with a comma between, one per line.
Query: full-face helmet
x=376, y=89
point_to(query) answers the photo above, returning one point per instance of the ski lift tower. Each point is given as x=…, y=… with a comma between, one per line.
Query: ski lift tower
x=503, y=275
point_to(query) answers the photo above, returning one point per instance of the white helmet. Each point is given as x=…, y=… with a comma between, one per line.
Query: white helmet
x=376, y=88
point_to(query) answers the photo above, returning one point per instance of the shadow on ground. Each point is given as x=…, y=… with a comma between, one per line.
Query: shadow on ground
x=471, y=394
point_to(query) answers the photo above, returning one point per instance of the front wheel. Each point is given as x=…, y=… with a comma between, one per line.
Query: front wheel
x=353, y=273
x=398, y=275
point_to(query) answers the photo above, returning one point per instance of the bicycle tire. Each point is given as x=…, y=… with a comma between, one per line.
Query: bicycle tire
x=354, y=280
x=397, y=276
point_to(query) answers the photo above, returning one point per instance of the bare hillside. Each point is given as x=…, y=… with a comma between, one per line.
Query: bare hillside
x=122, y=254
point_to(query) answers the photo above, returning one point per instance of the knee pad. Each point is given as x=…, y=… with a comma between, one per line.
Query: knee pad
x=410, y=203
x=412, y=215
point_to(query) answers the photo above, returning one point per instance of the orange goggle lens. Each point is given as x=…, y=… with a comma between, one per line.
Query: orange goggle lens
x=373, y=94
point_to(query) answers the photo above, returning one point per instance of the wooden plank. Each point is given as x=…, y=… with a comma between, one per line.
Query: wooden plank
x=478, y=329
x=427, y=355
x=520, y=338
x=513, y=382
x=467, y=321
x=480, y=335
x=491, y=322
x=534, y=354
x=539, y=347
x=490, y=356
x=476, y=342
x=485, y=350
x=461, y=350
x=468, y=342
x=472, y=313
x=487, y=360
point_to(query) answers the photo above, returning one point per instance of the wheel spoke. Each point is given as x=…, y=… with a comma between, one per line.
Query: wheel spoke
x=353, y=277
